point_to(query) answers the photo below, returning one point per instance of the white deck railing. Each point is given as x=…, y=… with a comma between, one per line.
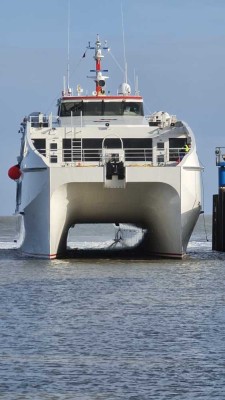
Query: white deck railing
x=130, y=156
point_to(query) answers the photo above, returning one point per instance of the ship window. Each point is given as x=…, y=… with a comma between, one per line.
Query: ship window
x=53, y=159
x=160, y=158
x=160, y=145
x=113, y=108
x=112, y=143
x=137, y=143
x=92, y=149
x=132, y=108
x=115, y=143
x=53, y=149
x=177, y=143
x=67, y=150
x=175, y=148
x=138, y=149
x=107, y=108
x=40, y=145
x=154, y=123
x=92, y=143
x=93, y=108
x=71, y=108
x=67, y=143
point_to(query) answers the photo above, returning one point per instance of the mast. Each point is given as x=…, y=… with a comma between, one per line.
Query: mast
x=98, y=78
x=98, y=57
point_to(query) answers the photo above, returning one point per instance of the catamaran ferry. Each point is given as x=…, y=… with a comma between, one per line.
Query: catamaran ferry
x=101, y=160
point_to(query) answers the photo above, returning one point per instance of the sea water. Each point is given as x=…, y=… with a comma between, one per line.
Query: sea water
x=108, y=329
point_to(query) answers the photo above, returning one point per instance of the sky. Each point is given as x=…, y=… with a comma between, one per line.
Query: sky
x=175, y=47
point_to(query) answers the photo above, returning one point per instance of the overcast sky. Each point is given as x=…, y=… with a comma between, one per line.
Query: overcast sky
x=176, y=47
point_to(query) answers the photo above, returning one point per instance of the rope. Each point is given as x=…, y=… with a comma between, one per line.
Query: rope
x=79, y=61
x=71, y=74
x=119, y=66
x=117, y=63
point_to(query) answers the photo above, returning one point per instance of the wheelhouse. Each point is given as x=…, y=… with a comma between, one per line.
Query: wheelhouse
x=107, y=106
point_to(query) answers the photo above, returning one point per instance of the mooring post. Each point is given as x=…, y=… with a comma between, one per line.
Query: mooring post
x=218, y=223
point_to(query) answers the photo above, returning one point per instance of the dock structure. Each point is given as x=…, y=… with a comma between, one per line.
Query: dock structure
x=218, y=223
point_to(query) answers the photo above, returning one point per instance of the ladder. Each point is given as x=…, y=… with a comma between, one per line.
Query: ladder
x=76, y=150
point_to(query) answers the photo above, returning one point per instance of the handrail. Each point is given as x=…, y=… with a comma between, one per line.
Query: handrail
x=133, y=155
x=40, y=120
x=112, y=136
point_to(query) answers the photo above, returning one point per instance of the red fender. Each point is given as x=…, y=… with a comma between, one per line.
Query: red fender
x=14, y=172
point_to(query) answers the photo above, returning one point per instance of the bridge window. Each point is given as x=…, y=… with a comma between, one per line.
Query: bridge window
x=95, y=108
x=71, y=108
x=113, y=108
x=132, y=108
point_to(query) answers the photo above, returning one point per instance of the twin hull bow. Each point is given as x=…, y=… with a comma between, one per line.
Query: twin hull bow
x=163, y=199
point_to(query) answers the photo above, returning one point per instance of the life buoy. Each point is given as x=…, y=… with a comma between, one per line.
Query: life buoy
x=14, y=172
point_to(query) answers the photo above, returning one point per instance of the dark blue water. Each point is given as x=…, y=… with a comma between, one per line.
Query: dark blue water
x=103, y=329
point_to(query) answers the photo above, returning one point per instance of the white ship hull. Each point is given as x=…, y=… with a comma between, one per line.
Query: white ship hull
x=102, y=161
x=164, y=201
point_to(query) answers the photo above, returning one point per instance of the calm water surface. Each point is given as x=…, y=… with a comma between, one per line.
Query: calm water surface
x=105, y=329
